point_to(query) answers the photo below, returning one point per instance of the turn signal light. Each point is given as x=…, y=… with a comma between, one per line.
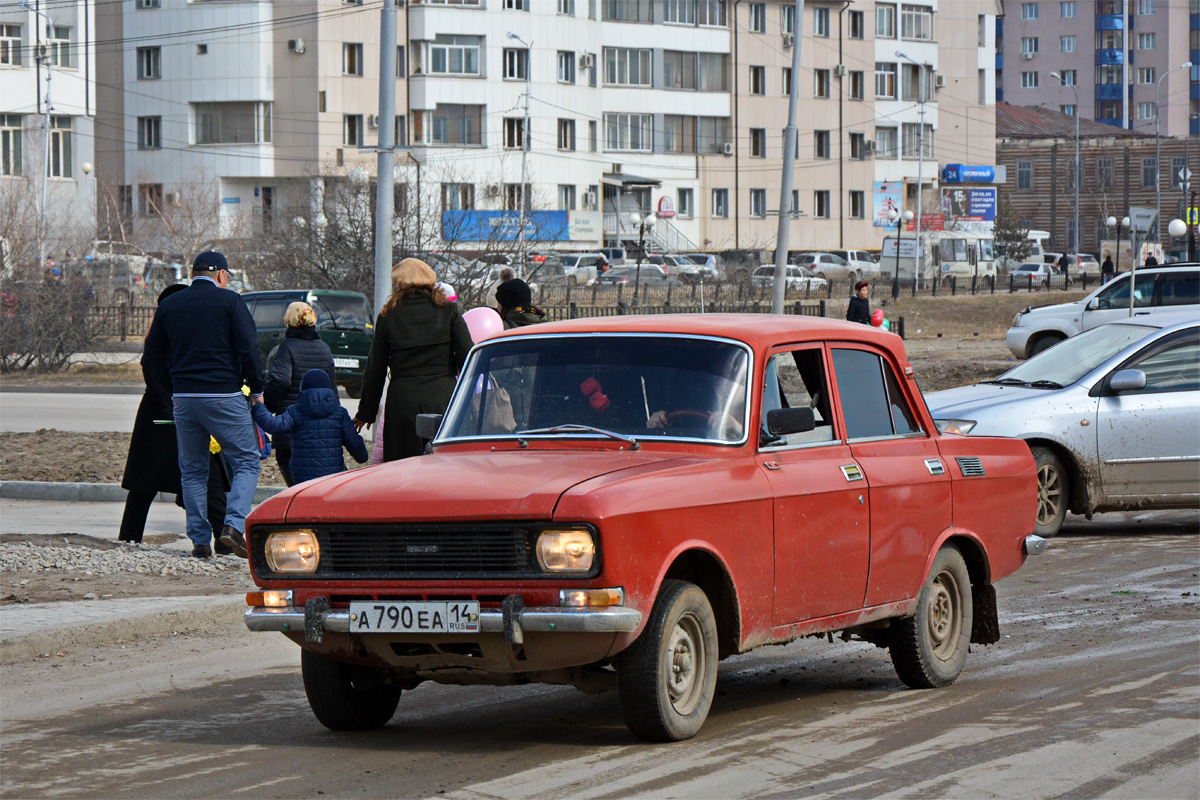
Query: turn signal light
x=581, y=598
x=270, y=598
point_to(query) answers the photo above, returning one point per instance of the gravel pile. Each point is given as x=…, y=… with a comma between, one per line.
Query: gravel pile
x=124, y=558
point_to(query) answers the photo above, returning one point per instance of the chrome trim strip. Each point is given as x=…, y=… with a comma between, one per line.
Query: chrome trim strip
x=1034, y=545
x=616, y=619
x=1154, y=460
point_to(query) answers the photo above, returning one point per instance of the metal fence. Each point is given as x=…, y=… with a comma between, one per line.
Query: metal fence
x=123, y=321
x=814, y=308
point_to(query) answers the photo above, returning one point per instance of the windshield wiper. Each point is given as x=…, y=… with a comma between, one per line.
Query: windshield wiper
x=1008, y=382
x=629, y=440
x=1046, y=384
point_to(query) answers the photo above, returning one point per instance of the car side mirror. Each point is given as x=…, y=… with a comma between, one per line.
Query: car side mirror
x=1093, y=304
x=782, y=421
x=1127, y=380
x=428, y=424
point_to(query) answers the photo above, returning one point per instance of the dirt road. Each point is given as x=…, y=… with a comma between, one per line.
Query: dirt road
x=1091, y=692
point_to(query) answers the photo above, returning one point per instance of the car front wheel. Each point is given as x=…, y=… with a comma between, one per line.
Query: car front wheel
x=1053, y=492
x=930, y=648
x=346, y=697
x=1044, y=343
x=667, y=678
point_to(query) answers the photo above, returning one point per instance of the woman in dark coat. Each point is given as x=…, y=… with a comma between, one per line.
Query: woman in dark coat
x=300, y=351
x=153, y=462
x=423, y=340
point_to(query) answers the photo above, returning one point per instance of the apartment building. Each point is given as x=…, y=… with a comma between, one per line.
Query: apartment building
x=671, y=106
x=47, y=75
x=1113, y=61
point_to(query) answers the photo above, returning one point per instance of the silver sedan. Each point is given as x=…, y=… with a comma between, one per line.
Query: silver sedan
x=1112, y=417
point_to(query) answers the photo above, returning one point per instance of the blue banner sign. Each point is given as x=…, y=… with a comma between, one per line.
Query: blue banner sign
x=963, y=173
x=505, y=226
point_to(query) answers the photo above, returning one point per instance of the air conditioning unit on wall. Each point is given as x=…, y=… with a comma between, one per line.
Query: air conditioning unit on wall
x=789, y=39
x=939, y=81
x=1028, y=56
x=587, y=60
x=295, y=45
x=372, y=120
x=728, y=149
x=589, y=199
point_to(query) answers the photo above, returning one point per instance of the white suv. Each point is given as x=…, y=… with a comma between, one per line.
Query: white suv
x=860, y=261
x=1171, y=288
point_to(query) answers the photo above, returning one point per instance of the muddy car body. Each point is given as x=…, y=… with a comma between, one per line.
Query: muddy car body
x=621, y=502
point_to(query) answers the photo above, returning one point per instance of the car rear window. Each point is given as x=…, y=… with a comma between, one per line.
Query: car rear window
x=268, y=311
x=340, y=312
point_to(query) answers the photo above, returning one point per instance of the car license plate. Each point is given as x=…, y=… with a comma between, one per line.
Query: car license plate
x=351, y=363
x=386, y=617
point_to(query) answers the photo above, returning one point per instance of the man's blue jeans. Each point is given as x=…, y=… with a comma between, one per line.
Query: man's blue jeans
x=227, y=419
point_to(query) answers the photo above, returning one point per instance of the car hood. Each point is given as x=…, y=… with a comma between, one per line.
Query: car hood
x=1057, y=308
x=506, y=484
x=961, y=402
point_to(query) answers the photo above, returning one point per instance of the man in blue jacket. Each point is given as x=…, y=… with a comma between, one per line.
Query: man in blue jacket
x=201, y=348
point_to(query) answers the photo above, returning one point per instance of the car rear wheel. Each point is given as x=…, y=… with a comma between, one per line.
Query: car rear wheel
x=1053, y=492
x=930, y=648
x=1044, y=343
x=821, y=275
x=346, y=697
x=666, y=679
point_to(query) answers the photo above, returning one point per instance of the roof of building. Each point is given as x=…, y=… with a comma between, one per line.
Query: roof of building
x=1038, y=122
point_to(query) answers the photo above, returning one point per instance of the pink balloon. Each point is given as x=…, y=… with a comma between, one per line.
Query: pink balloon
x=484, y=323
x=449, y=291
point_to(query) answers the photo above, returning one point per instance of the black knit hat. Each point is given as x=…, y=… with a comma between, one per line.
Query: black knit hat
x=209, y=261
x=314, y=379
x=514, y=294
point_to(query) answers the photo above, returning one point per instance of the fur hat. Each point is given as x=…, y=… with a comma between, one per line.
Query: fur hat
x=209, y=261
x=514, y=293
x=300, y=315
x=413, y=273
x=314, y=379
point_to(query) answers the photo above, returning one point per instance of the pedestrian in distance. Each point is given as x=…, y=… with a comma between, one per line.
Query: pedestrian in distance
x=201, y=348
x=1107, y=270
x=1151, y=261
x=422, y=340
x=1064, y=263
x=318, y=428
x=300, y=351
x=859, y=309
x=514, y=304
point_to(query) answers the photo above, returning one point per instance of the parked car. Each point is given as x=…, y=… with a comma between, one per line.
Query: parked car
x=1110, y=416
x=825, y=265
x=797, y=278
x=1033, y=270
x=344, y=322
x=676, y=489
x=703, y=266
x=861, y=262
x=583, y=267
x=649, y=275
x=616, y=255
x=1156, y=289
x=1083, y=264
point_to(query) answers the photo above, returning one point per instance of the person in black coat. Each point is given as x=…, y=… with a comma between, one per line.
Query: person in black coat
x=1107, y=270
x=300, y=351
x=319, y=428
x=859, y=309
x=152, y=465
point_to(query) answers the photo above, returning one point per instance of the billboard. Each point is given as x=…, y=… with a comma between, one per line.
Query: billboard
x=505, y=226
x=971, y=210
x=887, y=196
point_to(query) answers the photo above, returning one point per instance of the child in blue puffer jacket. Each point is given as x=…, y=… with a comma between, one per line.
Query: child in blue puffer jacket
x=319, y=427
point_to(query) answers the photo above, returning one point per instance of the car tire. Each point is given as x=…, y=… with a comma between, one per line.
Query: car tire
x=929, y=649
x=821, y=275
x=343, y=697
x=1054, y=492
x=667, y=678
x=1044, y=343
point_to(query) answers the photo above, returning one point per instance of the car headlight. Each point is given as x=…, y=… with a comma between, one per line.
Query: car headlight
x=955, y=425
x=570, y=551
x=1016, y=323
x=292, y=551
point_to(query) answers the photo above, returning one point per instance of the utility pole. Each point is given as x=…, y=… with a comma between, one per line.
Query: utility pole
x=386, y=178
x=920, y=261
x=789, y=168
x=524, y=151
x=43, y=58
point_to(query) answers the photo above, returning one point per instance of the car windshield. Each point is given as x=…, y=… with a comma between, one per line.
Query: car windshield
x=1070, y=360
x=646, y=387
x=341, y=313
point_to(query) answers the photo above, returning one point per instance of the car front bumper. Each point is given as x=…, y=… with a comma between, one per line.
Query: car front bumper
x=1017, y=340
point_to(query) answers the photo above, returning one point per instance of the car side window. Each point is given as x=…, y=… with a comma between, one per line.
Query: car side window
x=268, y=312
x=796, y=379
x=1181, y=289
x=903, y=418
x=1116, y=294
x=1174, y=369
x=867, y=406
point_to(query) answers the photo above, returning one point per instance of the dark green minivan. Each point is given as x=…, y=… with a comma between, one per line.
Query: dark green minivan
x=344, y=322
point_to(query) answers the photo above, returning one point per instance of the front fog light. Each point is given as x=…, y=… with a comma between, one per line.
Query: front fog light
x=571, y=551
x=292, y=551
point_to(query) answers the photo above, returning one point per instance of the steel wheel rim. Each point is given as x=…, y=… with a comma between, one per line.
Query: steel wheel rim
x=945, y=614
x=685, y=665
x=1049, y=494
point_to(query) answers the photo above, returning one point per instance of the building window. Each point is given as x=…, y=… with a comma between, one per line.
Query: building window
x=916, y=22
x=885, y=81
x=1146, y=7
x=720, y=203
x=821, y=22
x=238, y=123
x=593, y=136
x=1178, y=165
x=1066, y=44
x=1104, y=173
x=147, y=4
x=352, y=59
x=10, y=45
x=10, y=144
x=453, y=124
x=626, y=66
x=1147, y=75
x=758, y=17
x=1149, y=171
x=1029, y=10
x=1024, y=175
x=1068, y=109
x=150, y=199
x=58, y=45
x=629, y=10
x=758, y=202
x=566, y=197
x=758, y=80
x=1068, y=77
x=713, y=72
x=1147, y=110
x=686, y=205
x=632, y=132
x=857, y=25
x=566, y=66
x=679, y=70
x=821, y=204
x=795, y=204
x=858, y=146
x=1029, y=80
x=787, y=81
x=400, y=131
x=1146, y=41
x=516, y=64
x=914, y=142
x=401, y=62
x=352, y=130
x=858, y=204
x=1072, y=171
x=821, y=144
x=910, y=82
x=516, y=5
x=566, y=134
x=679, y=133
x=821, y=83
x=758, y=142
x=458, y=196
x=514, y=132
x=513, y=195
x=858, y=84
x=1029, y=44
x=1066, y=9
x=566, y=7
x=149, y=63
x=885, y=143
x=787, y=18
x=885, y=21
x=149, y=132
x=454, y=55
x=125, y=197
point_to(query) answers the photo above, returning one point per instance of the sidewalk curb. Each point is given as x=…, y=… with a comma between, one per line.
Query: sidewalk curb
x=91, y=492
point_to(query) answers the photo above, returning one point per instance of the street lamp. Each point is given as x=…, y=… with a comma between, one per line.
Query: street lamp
x=45, y=59
x=524, y=147
x=641, y=223
x=1075, y=177
x=1113, y=222
x=892, y=215
x=920, y=154
x=1157, y=159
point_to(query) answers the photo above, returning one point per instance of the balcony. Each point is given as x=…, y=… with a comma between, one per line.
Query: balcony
x=1105, y=58
x=1108, y=91
x=1109, y=22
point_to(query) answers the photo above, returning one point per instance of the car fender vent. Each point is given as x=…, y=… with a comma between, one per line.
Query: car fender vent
x=970, y=466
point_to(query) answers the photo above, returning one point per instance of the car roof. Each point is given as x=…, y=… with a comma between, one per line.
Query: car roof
x=269, y=293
